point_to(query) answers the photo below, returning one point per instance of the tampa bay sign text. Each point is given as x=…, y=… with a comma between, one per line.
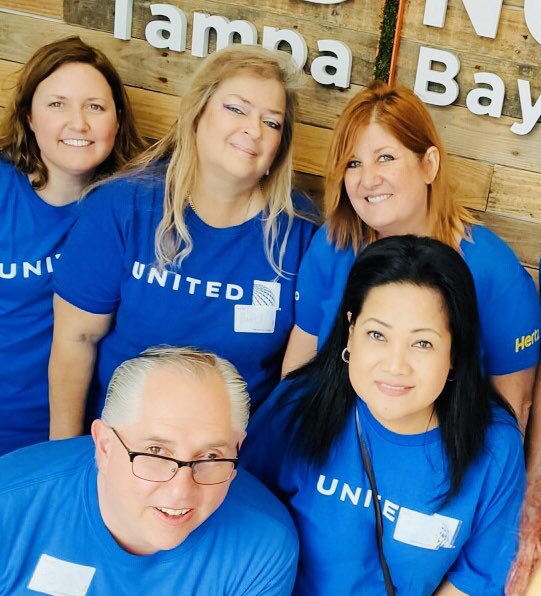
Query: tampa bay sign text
x=333, y=64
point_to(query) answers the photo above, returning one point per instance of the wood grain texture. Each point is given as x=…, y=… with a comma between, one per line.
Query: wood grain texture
x=516, y=193
x=358, y=15
x=470, y=181
x=470, y=64
x=46, y=8
x=311, y=185
x=513, y=38
x=141, y=65
x=487, y=139
x=523, y=236
x=97, y=15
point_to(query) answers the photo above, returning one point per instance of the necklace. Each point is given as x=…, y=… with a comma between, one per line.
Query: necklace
x=190, y=202
x=248, y=205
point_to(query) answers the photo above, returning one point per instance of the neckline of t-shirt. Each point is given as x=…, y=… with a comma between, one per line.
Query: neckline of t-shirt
x=425, y=438
x=195, y=222
x=108, y=543
x=36, y=201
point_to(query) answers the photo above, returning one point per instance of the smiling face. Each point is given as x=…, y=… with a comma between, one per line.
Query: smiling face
x=74, y=120
x=239, y=132
x=183, y=417
x=387, y=183
x=400, y=355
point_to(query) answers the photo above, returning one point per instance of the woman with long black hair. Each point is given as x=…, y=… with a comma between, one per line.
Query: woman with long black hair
x=395, y=404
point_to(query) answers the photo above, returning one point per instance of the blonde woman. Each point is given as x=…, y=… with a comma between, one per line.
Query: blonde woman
x=197, y=244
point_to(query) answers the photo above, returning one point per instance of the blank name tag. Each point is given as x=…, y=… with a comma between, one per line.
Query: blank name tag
x=250, y=318
x=61, y=578
x=426, y=531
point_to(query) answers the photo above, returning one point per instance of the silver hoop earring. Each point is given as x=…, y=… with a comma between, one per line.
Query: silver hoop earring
x=345, y=355
x=267, y=172
x=450, y=379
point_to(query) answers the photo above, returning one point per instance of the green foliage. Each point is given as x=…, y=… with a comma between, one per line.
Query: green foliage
x=385, y=50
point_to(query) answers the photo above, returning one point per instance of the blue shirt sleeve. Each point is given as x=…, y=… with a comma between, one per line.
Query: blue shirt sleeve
x=508, y=304
x=265, y=446
x=313, y=283
x=90, y=271
x=485, y=559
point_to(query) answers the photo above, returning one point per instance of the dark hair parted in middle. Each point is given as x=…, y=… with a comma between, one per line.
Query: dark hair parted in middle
x=463, y=408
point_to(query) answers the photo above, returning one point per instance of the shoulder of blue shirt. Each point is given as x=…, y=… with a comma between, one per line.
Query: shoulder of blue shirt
x=54, y=460
x=279, y=406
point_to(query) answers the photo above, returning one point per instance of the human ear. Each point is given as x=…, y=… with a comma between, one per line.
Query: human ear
x=102, y=441
x=431, y=163
x=351, y=327
x=241, y=440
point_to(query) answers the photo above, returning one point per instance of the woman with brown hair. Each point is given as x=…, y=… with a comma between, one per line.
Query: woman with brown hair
x=387, y=175
x=69, y=123
x=197, y=243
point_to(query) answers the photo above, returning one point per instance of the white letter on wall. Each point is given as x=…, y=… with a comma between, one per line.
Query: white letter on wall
x=175, y=28
x=530, y=114
x=426, y=75
x=532, y=16
x=272, y=36
x=496, y=95
x=484, y=15
x=341, y=62
x=225, y=32
x=123, y=19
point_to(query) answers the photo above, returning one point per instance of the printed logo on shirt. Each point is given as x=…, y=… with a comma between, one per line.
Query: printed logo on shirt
x=257, y=317
x=55, y=577
x=412, y=527
x=191, y=285
x=526, y=341
x=26, y=269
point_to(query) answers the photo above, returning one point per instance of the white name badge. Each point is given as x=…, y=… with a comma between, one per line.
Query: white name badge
x=426, y=531
x=266, y=293
x=61, y=578
x=251, y=318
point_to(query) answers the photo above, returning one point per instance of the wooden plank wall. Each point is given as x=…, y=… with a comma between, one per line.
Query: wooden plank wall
x=495, y=171
x=509, y=166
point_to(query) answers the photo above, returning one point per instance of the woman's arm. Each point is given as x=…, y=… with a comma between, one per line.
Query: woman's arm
x=517, y=388
x=447, y=589
x=534, y=433
x=73, y=353
x=301, y=348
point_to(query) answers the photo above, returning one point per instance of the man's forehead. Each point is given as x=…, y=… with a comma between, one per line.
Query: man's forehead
x=177, y=404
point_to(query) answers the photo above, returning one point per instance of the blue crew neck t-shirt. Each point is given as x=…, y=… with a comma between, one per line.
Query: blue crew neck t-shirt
x=471, y=540
x=32, y=233
x=225, y=297
x=507, y=299
x=54, y=539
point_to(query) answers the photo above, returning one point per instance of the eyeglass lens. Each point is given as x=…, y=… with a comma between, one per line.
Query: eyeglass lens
x=162, y=470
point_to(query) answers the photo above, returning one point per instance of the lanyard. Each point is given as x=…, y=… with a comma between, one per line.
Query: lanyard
x=367, y=463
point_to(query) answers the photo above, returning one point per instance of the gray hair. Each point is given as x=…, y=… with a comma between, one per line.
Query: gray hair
x=124, y=393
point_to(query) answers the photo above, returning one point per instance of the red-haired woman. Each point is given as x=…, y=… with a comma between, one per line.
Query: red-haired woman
x=387, y=175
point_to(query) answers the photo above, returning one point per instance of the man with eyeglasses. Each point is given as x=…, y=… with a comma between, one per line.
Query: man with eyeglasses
x=153, y=503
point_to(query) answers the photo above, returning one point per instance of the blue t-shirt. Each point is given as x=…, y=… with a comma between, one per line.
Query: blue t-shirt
x=225, y=297
x=507, y=299
x=31, y=236
x=50, y=519
x=471, y=540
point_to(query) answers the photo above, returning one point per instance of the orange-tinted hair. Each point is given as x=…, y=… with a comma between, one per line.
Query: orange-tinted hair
x=404, y=115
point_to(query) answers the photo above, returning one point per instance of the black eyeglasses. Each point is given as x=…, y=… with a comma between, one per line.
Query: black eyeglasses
x=158, y=468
